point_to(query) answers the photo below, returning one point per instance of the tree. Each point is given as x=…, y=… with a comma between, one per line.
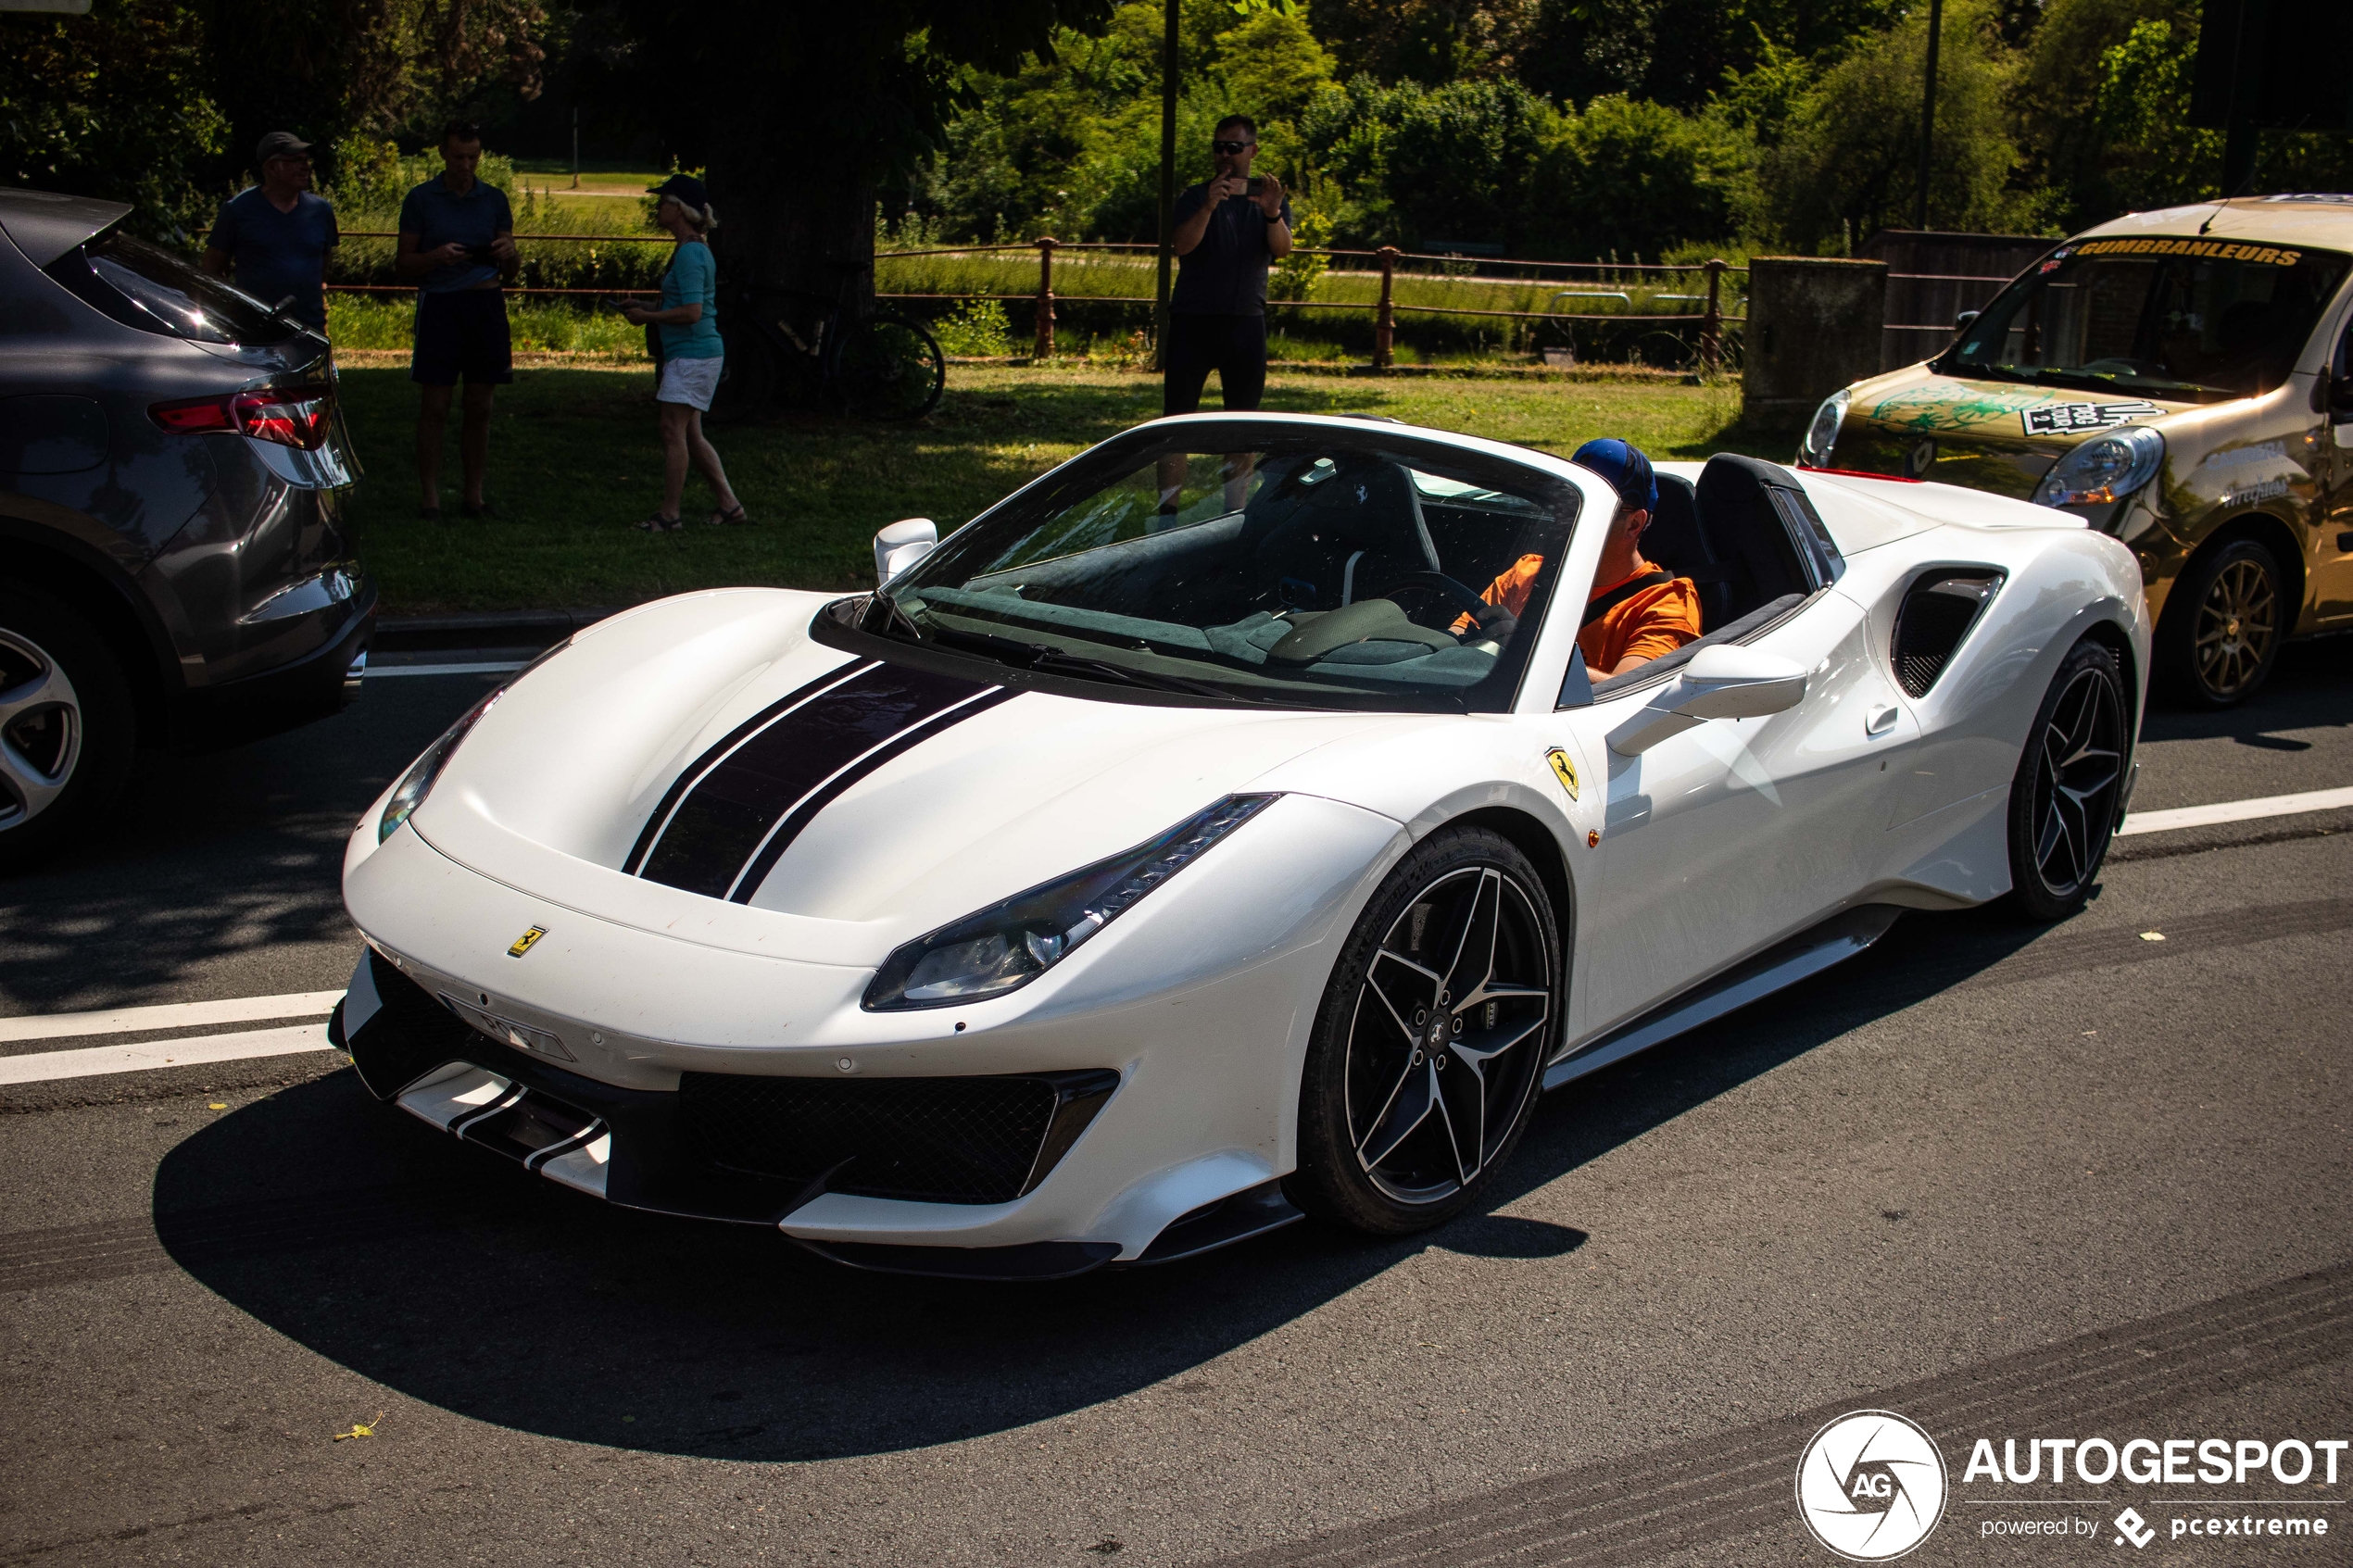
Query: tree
x=801, y=111
x=1848, y=164
x=112, y=105
x=1633, y=178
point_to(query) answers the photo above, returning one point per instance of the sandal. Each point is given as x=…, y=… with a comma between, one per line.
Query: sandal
x=661, y=524
x=735, y=518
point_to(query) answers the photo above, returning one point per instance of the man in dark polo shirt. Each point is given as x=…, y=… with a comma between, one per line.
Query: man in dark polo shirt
x=1227, y=233
x=458, y=243
x=272, y=240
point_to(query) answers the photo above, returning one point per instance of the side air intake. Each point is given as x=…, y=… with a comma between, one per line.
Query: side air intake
x=1938, y=612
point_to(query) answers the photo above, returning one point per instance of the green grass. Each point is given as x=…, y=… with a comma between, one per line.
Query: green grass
x=386, y=322
x=574, y=460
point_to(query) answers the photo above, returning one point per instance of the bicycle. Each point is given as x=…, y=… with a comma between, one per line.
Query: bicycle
x=811, y=349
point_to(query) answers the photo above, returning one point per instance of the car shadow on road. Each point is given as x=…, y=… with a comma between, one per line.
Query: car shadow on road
x=2306, y=691
x=451, y=1276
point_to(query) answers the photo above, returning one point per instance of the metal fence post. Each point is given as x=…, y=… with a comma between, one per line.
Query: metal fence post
x=1711, y=325
x=1385, y=324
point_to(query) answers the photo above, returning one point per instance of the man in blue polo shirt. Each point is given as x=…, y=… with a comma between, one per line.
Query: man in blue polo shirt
x=458, y=243
x=272, y=240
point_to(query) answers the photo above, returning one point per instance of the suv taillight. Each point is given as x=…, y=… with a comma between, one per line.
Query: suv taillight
x=291, y=416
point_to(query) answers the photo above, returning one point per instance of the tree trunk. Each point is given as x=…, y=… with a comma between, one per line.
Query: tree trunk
x=786, y=226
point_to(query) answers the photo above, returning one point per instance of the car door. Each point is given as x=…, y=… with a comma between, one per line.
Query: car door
x=2333, y=553
x=1720, y=840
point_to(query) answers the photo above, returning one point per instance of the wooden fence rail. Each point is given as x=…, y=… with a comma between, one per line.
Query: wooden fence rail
x=1712, y=319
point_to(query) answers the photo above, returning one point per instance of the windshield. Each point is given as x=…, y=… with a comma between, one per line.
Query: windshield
x=1277, y=564
x=2190, y=319
x=148, y=287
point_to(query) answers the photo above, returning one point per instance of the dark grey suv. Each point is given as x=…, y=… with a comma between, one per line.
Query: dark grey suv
x=174, y=565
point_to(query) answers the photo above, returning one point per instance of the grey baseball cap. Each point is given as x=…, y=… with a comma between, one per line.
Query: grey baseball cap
x=281, y=144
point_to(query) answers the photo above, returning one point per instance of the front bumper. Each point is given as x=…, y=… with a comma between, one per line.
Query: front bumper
x=1173, y=1069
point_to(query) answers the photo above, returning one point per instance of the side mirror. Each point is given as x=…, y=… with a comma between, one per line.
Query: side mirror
x=1723, y=682
x=2340, y=398
x=1962, y=318
x=901, y=546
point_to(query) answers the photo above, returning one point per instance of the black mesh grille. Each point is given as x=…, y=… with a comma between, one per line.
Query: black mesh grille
x=1937, y=613
x=938, y=1140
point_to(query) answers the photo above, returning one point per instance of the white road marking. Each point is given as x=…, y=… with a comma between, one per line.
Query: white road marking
x=2234, y=811
x=45, y=1066
x=502, y=667
x=170, y=1015
x=42, y=1067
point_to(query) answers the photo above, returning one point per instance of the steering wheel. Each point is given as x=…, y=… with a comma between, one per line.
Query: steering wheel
x=1493, y=619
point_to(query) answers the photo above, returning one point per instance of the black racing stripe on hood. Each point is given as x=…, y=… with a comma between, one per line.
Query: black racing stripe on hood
x=728, y=812
x=727, y=742
x=797, y=820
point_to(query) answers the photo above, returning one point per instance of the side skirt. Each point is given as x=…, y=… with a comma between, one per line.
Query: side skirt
x=1810, y=952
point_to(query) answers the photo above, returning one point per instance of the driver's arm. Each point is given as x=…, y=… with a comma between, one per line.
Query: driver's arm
x=1510, y=590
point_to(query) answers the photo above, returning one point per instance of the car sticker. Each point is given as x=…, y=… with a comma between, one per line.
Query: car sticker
x=2218, y=250
x=2064, y=418
x=1951, y=406
x=522, y=944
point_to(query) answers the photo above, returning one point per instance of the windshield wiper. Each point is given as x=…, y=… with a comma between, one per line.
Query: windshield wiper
x=895, y=613
x=1054, y=660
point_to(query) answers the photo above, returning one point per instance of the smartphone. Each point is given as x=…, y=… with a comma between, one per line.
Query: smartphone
x=1257, y=185
x=482, y=254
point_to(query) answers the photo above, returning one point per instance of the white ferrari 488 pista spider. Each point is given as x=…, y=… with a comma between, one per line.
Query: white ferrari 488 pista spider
x=1186, y=843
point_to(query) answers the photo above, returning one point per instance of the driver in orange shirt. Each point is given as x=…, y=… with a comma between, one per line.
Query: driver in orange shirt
x=1637, y=612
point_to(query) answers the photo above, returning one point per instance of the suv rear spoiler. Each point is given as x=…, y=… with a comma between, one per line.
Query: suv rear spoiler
x=44, y=225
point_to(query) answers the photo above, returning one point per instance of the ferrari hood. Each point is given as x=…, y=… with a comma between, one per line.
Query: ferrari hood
x=704, y=753
x=1988, y=435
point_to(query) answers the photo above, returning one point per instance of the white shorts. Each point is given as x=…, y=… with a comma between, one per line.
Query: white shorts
x=690, y=381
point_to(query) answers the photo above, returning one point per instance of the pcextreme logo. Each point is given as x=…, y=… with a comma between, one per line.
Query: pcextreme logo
x=1870, y=1485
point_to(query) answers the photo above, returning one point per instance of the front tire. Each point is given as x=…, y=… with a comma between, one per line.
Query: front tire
x=1430, y=1045
x=68, y=729
x=2069, y=782
x=2223, y=626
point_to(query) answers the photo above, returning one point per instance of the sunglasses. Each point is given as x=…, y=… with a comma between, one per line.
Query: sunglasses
x=1230, y=149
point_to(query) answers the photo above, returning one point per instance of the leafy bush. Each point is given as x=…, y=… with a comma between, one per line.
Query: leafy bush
x=976, y=329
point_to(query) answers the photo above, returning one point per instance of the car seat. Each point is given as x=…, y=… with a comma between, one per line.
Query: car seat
x=1762, y=533
x=1329, y=538
x=1675, y=541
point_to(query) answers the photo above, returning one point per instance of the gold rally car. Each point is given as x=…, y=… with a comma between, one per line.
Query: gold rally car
x=2181, y=380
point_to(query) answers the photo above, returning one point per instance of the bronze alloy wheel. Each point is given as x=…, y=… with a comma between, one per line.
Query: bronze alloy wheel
x=2238, y=626
x=1447, y=1029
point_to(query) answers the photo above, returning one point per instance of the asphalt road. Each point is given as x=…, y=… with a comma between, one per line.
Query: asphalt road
x=2011, y=1182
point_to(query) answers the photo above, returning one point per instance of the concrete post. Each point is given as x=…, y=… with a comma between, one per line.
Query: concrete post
x=1813, y=326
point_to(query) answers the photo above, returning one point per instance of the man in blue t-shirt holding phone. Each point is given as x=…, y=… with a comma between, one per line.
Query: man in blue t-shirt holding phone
x=458, y=245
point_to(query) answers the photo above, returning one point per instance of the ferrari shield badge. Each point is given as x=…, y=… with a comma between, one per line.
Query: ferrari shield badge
x=1563, y=770
x=522, y=942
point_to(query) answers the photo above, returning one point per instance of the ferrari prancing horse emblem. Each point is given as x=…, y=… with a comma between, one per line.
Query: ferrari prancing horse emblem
x=522, y=942
x=1563, y=770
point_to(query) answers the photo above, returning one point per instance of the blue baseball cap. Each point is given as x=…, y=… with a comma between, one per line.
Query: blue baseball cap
x=1628, y=470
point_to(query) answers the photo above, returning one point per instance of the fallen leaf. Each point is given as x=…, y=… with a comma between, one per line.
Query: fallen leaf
x=2152, y=937
x=217, y=1105
x=362, y=1429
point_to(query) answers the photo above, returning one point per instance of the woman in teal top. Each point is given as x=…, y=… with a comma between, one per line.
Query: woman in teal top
x=692, y=356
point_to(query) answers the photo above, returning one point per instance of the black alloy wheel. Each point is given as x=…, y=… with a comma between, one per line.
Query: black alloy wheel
x=2070, y=783
x=1430, y=1042
x=2225, y=635
x=67, y=728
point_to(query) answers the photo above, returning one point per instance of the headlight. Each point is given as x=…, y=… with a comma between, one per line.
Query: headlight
x=417, y=783
x=1006, y=945
x=2106, y=468
x=1822, y=435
